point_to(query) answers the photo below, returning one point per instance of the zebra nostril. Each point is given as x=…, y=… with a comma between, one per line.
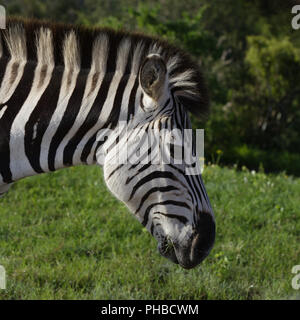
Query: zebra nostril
x=204, y=238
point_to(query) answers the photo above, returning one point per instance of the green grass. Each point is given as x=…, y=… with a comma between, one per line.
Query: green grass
x=64, y=236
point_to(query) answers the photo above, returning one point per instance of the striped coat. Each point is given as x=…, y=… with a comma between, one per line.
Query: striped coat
x=61, y=86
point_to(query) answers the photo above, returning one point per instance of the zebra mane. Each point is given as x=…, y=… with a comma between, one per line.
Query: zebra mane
x=103, y=49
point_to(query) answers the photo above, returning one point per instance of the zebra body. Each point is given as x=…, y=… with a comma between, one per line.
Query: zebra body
x=60, y=86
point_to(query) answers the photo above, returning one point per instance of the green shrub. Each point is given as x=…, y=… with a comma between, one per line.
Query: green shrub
x=256, y=159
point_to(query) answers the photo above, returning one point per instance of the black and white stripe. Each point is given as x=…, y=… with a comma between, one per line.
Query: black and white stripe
x=61, y=85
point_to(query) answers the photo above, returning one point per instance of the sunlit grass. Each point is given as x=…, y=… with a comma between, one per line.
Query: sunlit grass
x=64, y=236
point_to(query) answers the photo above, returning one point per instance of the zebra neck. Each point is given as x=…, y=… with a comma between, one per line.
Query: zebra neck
x=50, y=118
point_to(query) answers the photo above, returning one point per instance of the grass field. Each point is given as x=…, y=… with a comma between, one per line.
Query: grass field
x=64, y=236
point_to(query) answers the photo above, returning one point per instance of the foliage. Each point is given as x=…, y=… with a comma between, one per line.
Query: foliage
x=256, y=159
x=272, y=106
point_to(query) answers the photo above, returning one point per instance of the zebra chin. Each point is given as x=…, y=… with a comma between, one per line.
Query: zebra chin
x=192, y=252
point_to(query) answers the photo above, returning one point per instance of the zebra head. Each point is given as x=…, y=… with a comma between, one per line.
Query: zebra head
x=172, y=204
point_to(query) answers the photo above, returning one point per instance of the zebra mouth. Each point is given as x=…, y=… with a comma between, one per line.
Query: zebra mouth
x=167, y=250
x=187, y=257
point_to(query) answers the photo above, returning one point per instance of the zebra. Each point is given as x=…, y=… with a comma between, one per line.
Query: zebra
x=61, y=85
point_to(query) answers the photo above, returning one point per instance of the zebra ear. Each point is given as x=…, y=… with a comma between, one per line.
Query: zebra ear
x=153, y=75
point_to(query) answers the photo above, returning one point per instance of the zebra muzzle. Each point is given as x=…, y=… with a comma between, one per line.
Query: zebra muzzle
x=191, y=253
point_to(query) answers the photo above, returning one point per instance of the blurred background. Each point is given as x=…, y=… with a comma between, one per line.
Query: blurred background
x=250, y=56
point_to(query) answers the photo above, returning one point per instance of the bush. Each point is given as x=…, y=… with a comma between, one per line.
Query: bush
x=257, y=159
